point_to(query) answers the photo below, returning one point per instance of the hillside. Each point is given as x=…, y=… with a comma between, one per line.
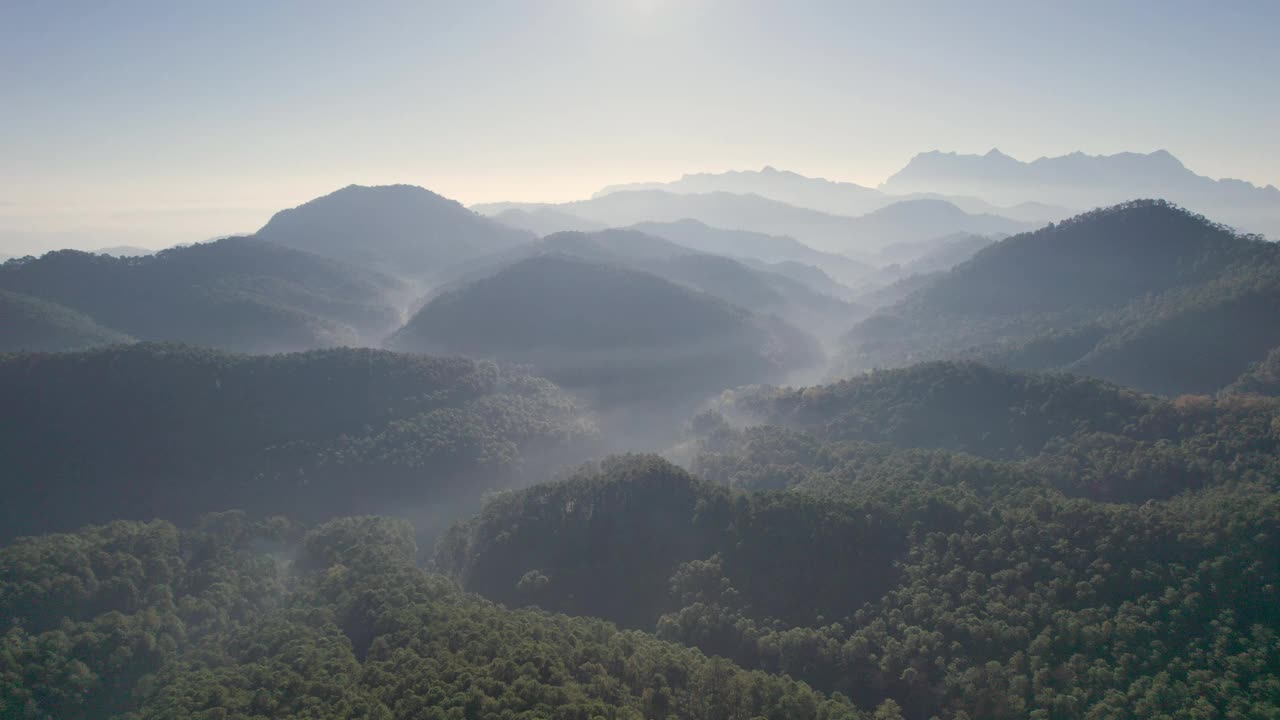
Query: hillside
x=1133, y=293
x=28, y=323
x=147, y=431
x=1083, y=181
x=235, y=293
x=398, y=229
x=617, y=333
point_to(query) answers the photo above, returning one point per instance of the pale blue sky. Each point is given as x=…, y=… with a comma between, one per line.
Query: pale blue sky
x=171, y=121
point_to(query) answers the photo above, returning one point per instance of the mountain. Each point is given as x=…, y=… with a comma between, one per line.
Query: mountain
x=1134, y=293
x=545, y=221
x=235, y=293
x=906, y=221
x=756, y=246
x=1084, y=181
x=618, y=334
x=837, y=198
x=145, y=431
x=28, y=323
x=398, y=229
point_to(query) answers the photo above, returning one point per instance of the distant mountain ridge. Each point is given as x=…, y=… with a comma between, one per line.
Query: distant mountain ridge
x=1082, y=180
x=904, y=221
x=831, y=196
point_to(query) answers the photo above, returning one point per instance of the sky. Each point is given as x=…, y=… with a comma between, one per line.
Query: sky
x=153, y=123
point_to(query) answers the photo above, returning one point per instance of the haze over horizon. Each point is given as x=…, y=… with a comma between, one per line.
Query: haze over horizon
x=148, y=124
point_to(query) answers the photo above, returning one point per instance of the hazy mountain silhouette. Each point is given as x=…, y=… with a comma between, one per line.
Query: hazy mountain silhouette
x=235, y=293
x=1084, y=181
x=29, y=323
x=837, y=198
x=124, y=251
x=940, y=253
x=1135, y=293
x=545, y=221
x=758, y=289
x=400, y=229
x=911, y=220
x=617, y=334
x=757, y=246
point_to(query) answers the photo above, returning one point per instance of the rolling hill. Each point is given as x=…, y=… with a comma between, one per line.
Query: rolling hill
x=234, y=293
x=398, y=229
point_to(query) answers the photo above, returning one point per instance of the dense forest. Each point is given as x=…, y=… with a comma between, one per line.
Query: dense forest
x=236, y=619
x=145, y=431
x=1070, y=549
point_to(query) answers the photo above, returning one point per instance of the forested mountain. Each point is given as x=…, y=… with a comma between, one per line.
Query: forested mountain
x=619, y=334
x=758, y=246
x=399, y=229
x=1135, y=294
x=147, y=431
x=237, y=619
x=28, y=323
x=905, y=221
x=234, y=293
x=1084, y=181
x=951, y=585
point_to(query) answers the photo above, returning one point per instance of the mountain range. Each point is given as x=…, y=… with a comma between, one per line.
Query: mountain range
x=905, y=221
x=1085, y=181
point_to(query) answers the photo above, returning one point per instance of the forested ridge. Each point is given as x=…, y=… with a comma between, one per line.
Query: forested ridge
x=170, y=431
x=1136, y=293
x=236, y=293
